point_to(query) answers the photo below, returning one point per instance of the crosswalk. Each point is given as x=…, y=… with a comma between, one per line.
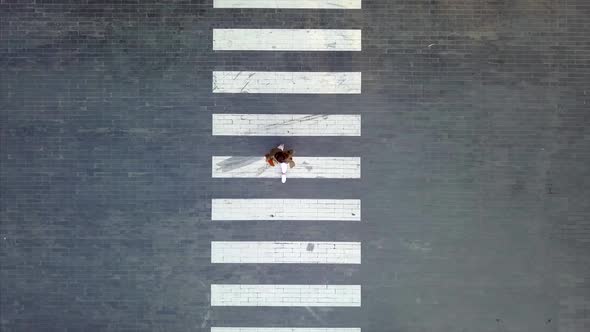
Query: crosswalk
x=286, y=40
x=289, y=4
x=307, y=168
x=266, y=295
x=279, y=82
x=293, y=252
x=285, y=209
x=286, y=125
x=295, y=209
x=283, y=329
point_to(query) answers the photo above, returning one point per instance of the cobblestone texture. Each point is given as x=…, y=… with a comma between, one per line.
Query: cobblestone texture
x=475, y=151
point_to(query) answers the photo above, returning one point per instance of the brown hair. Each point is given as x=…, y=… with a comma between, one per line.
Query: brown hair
x=281, y=156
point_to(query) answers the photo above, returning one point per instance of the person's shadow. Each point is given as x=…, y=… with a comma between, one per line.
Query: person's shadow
x=234, y=163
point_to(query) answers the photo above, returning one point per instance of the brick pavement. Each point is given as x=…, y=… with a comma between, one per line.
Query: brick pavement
x=474, y=148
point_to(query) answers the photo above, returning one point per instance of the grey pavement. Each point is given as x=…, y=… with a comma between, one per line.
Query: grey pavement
x=475, y=181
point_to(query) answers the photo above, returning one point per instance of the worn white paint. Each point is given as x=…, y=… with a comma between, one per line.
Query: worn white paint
x=285, y=329
x=295, y=4
x=286, y=40
x=286, y=125
x=286, y=82
x=305, y=167
x=286, y=209
x=283, y=252
x=286, y=295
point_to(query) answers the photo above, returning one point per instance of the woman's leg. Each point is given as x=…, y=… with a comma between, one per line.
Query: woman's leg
x=284, y=168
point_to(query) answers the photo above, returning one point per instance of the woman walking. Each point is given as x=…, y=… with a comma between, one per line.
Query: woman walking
x=281, y=157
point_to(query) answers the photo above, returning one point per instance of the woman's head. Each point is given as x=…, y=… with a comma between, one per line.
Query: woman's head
x=281, y=156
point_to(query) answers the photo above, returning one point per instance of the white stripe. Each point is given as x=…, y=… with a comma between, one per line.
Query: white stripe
x=286, y=295
x=305, y=167
x=302, y=4
x=241, y=252
x=286, y=125
x=286, y=209
x=286, y=82
x=286, y=40
x=285, y=329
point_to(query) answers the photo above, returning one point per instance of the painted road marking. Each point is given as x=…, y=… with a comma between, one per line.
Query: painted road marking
x=286, y=40
x=286, y=82
x=286, y=125
x=286, y=295
x=286, y=209
x=305, y=167
x=269, y=252
x=285, y=329
x=301, y=4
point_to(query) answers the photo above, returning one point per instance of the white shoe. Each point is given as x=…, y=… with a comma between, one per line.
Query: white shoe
x=281, y=147
x=284, y=178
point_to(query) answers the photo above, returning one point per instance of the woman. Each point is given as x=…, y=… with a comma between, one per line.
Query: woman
x=278, y=155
